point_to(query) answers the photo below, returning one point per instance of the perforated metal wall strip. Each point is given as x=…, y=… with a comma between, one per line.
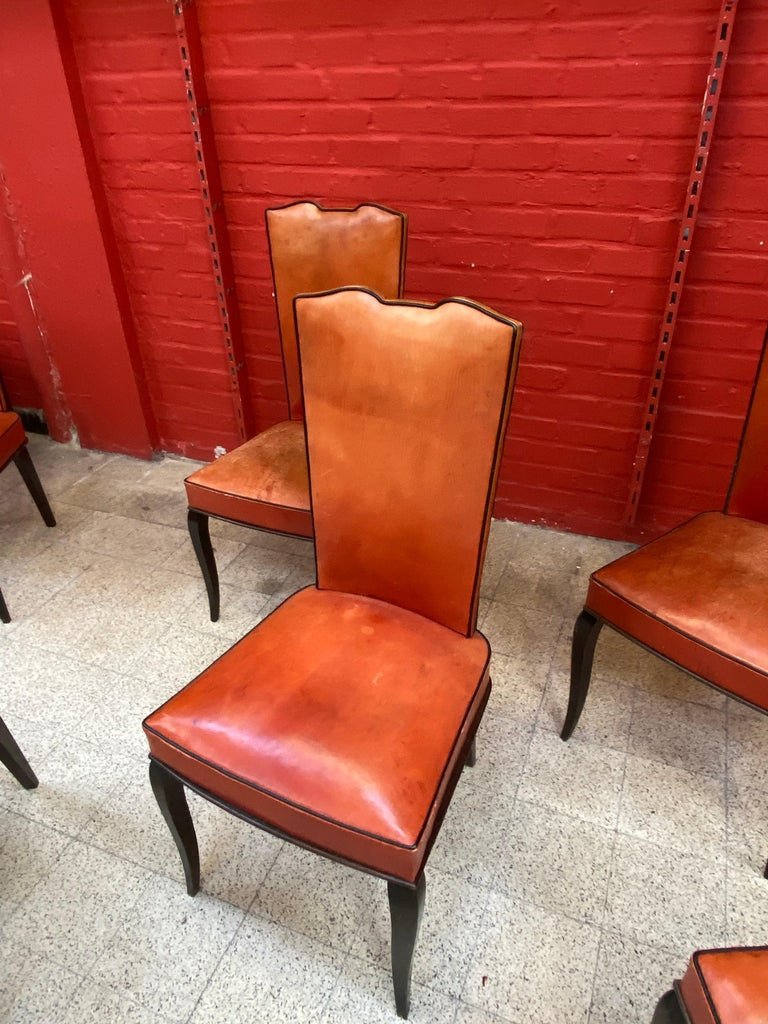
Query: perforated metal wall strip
x=207, y=164
x=682, y=251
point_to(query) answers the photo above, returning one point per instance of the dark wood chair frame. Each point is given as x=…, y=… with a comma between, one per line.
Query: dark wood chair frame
x=670, y=1008
x=406, y=901
x=14, y=760
x=197, y=521
x=587, y=627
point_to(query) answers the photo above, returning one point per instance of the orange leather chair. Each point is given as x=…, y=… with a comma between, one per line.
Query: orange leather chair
x=342, y=721
x=697, y=595
x=13, y=448
x=263, y=483
x=720, y=986
x=14, y=760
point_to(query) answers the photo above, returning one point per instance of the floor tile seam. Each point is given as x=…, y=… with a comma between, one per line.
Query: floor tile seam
x=495, y=1017
x=498, y=581
x=515, y=798
x=566, y=814
x=521, y=902
x=106, y=945
x=614, y=847
x=642, y=691
x=214, y=970
x=717, y=860
x=481, y=919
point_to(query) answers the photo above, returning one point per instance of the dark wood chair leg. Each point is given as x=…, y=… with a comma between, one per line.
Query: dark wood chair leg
x=5, y=615
x=471, y=754
x=201, y=542
x=585, y=633
x=406, y=905
x=26, y=467
x=668, y=1010
x=172, y=801
x=14, y=760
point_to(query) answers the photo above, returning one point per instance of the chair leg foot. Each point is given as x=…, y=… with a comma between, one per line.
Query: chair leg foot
x=172, y=801
x=14, y=760
x=5, y=615
x=26, y=467
x=471, y=760
x=585, y=633
x=201, y=542
x=668, y=1010
x=405, y=909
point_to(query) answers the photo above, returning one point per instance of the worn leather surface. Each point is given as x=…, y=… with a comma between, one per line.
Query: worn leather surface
x=749, y=488
x=12, y=436
x=338, y=719
x=314, y=249
x=727, y=986
x=262, y=483
x=405, y=409
x=699, y=596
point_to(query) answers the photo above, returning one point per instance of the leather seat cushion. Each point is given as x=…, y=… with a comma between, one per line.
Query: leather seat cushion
x=262, y=483
x=727, y=986
x=338, y=720
x=12, y=436
x=699, y=596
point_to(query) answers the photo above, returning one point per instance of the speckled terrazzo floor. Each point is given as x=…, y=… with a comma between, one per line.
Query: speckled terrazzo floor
x=570, y=881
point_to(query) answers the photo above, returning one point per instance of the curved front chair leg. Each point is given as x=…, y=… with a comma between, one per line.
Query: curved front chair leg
x=201, y=542
x=406, y=905
x=585, y=633
x=172, y=801
x=26, y=467
x=14, y=760
x=5, y=615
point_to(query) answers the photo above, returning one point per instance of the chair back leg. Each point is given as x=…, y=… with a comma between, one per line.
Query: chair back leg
x=5, y=615
x=14, y=760
x=172, y=801
x=201, y=542
x=26, y=467
x=406, y=906
x=585, y=633
x=669, y=1011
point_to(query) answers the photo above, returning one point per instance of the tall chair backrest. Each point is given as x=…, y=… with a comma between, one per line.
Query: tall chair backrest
x=748, y=494
x=313, y=249
x=406, y=408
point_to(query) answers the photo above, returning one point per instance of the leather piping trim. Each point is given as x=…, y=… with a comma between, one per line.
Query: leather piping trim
x=515, y=325
x=242, y=497
x=762, y=367
x=329, y=209
x=273, y=830
x=292, y=803
x=677, y=664
x=674, y=629
x=250, y=526
x=512, y=364
x=321, y=850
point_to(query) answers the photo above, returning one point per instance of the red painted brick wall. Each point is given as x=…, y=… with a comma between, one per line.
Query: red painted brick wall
x=17, y=376
x=541, y=152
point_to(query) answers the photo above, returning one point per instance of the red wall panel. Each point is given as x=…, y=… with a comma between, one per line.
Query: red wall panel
x=14, y=367
x=541, y=153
